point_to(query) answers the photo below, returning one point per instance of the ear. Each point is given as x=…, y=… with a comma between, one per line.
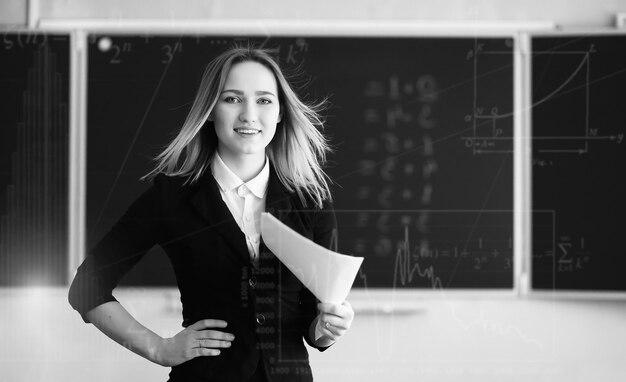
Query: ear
x=280, y=116
x=211, y=119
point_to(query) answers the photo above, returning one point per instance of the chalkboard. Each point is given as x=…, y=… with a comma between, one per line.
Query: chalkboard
x=34, y=132
x=579, y=162
x=422, y=130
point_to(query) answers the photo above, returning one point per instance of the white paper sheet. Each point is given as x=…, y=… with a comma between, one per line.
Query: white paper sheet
x=327, y=274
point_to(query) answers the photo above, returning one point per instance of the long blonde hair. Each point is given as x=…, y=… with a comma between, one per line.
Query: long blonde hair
x=297, y=151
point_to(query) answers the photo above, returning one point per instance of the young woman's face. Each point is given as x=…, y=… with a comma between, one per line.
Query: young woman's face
x=247, y=111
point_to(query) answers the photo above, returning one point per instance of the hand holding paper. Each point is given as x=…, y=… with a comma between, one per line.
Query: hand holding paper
x=327, y=274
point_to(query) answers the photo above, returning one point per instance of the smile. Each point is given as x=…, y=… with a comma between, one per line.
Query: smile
x=247, y=131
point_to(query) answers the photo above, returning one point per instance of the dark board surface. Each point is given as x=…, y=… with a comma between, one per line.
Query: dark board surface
x=422, y=129
x=34, y=131
x=579, y=162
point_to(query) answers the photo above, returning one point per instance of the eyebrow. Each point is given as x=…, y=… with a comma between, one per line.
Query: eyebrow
x=239, y=92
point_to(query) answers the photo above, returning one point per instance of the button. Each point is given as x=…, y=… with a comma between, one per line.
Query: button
x=252, y=281
x=247, y=218
x=242, y=190
x=260, y=319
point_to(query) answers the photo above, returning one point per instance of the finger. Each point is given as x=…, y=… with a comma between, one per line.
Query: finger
x=332, y=332
x=333, y=322
x=200, y=352
x=348, y=309
x=347, y=304
x=214, y=335
x=207, y=323
x=212, y=344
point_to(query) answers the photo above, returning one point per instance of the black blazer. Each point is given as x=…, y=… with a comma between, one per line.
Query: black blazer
x=267, y=309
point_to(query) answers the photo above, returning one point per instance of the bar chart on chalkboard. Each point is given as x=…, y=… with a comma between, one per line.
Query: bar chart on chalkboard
x=34, y=151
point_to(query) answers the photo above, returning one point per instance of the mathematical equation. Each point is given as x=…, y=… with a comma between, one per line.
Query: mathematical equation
x=28, y=39
x=417, y=261
x=118, y=51
x=457, y=242
x=570, y=254
x=478, y=251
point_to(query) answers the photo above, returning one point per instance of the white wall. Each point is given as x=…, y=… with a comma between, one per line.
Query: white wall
x=13, y=12
x=567, y=13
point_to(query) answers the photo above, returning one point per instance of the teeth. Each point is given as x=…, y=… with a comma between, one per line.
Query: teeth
x=247, y=131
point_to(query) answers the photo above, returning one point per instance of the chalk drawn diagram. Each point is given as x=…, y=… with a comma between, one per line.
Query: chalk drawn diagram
x=491, y=125
x=573, y=68
x=578, y=156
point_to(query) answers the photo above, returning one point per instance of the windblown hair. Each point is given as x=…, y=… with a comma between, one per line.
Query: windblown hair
x=297, y=151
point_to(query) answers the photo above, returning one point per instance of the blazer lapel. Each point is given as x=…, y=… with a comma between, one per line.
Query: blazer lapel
x=207, y=201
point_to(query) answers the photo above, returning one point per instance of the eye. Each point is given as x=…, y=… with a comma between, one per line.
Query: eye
x=264, y=101
x=231, y=99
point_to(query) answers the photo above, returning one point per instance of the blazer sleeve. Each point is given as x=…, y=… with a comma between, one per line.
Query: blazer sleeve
x=118, y=251
x=324, y=224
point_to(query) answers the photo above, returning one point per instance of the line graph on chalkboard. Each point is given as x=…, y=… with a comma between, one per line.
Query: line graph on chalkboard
x=571, y=86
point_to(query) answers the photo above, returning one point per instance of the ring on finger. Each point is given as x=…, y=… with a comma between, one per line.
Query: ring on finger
x=327, y=325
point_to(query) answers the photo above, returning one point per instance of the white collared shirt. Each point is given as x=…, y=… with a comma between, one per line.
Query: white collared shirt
x=245, y=201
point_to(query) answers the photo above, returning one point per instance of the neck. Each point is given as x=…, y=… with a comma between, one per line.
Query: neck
x=246, y=167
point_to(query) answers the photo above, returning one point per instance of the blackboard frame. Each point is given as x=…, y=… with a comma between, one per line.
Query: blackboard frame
x=80, y=29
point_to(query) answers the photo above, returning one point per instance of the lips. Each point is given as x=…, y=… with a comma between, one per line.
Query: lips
x=247, y=130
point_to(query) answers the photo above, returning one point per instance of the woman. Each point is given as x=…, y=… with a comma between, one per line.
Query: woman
x=248, y=145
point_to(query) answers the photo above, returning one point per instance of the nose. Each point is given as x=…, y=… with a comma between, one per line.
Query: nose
x=248, y=113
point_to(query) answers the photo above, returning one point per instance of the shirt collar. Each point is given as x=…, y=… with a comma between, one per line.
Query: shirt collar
x=228, y=180
x=258, y=184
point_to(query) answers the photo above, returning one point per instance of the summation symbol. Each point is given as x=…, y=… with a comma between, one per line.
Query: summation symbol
x=571, y=254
